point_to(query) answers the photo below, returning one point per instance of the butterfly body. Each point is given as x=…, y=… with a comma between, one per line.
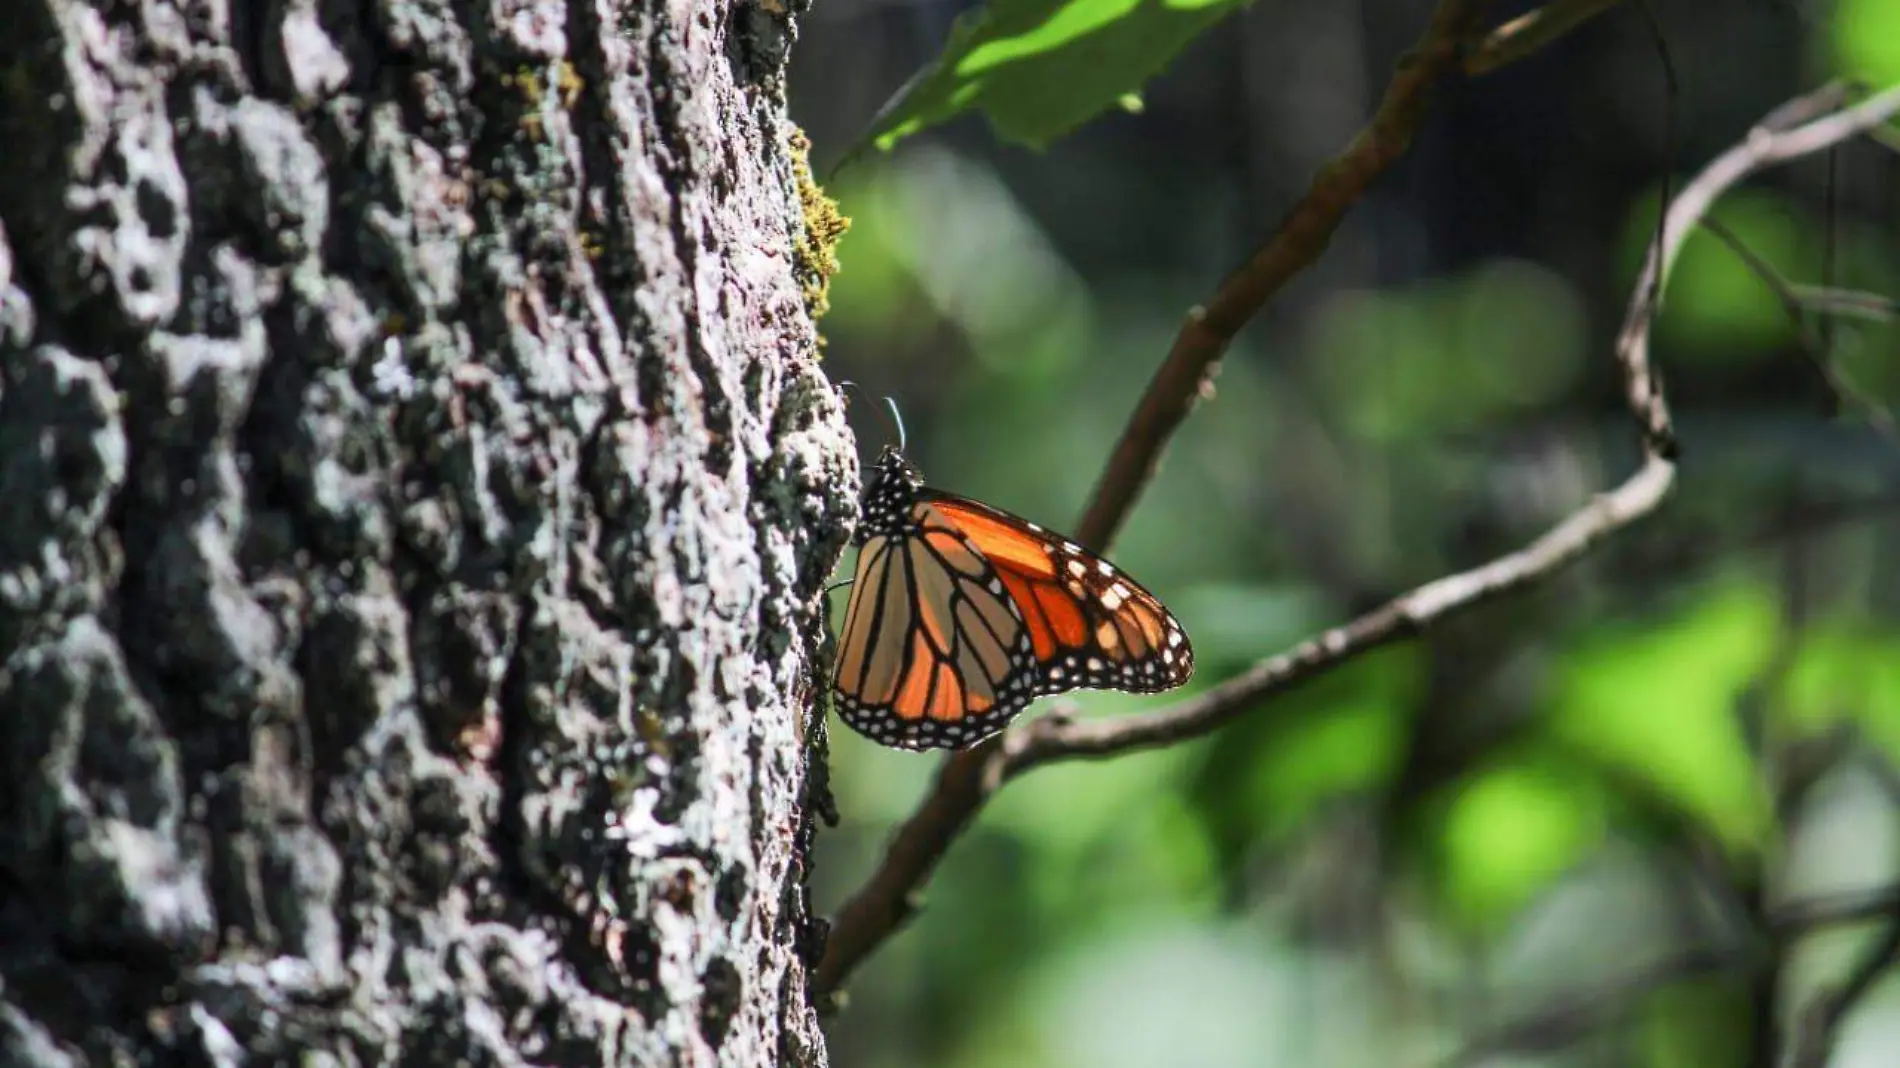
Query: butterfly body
x=962, y=614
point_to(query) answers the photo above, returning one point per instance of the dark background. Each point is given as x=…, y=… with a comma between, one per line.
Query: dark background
x=1568, y=791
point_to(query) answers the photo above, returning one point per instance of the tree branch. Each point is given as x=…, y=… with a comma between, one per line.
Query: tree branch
x=1819, y=1025
x=1531, y=32
x=968, y=778
x=1790, y=921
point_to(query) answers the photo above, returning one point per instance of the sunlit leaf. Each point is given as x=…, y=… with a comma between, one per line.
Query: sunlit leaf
x=1866, y=39
x=1039, y=68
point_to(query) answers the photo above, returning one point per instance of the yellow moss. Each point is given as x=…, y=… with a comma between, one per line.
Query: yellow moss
x=570, y=83
x=527, y=82
x=815, y=254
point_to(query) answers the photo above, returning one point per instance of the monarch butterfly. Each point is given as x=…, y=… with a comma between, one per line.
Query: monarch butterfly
x=961, y=614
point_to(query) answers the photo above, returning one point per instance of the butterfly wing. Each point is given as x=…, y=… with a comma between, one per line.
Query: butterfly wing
x=1089, y=624
x=934, y=653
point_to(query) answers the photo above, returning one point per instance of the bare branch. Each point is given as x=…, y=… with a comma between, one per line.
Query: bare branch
x=1791, y=921
x=968, y=778
x=1848, y=303
x=1531, y=32
x=1819, y=1026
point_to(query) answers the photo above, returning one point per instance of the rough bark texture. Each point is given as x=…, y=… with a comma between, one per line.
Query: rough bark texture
x=416, y=489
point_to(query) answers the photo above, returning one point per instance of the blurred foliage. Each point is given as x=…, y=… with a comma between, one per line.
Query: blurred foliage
x=1692, y=1024
x=1514, y=828
x=1449, y=833
x=1847, y=671
x=1659, y=702
x=1449, y=353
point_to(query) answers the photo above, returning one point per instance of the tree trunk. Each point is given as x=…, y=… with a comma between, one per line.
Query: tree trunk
x=418, y=490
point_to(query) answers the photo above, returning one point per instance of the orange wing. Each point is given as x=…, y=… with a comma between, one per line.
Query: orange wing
x=933, y=653
x=1089, y=624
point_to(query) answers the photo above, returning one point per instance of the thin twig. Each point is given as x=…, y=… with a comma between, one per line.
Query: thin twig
x=1818, y=1028
x=1568, y=1017
x=1192, y=362
x=1848, y=303
x=968, y=778
x=1531, y=32
x=1812, y=342
x=1797, y=918
x=1658, y=438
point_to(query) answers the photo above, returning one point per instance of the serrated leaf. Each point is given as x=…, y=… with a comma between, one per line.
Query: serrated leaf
x=1040, y=68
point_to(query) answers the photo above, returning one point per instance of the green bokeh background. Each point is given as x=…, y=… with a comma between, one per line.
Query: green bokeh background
x=1448, y=836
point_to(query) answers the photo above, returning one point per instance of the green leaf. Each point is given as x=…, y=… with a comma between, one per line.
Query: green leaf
x=1866, y=40
x=1040, y=68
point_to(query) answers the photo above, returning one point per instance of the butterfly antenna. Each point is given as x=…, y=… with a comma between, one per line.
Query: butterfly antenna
x=897, y=420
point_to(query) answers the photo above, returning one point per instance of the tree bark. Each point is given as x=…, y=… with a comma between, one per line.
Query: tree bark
x=418, y=489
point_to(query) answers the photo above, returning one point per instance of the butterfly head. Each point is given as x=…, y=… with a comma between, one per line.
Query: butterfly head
x=889, y=494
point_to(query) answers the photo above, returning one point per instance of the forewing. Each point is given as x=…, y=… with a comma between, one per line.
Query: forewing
x=1090, y=625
